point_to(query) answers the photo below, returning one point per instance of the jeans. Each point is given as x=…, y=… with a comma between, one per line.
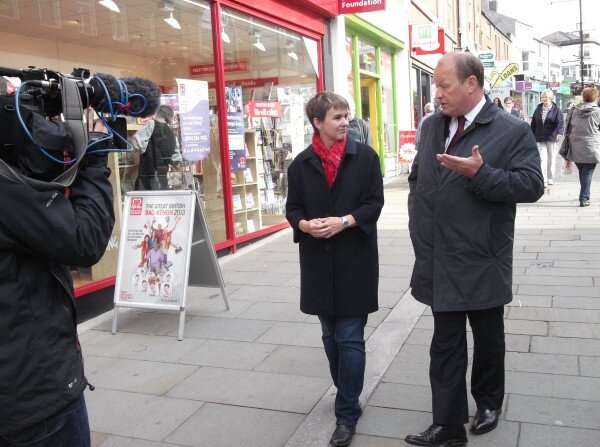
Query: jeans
x=548, y=151
x=586, y=172
x=68, y=427
x=344, y=342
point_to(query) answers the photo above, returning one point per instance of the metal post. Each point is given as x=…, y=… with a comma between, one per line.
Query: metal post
x=581, y=43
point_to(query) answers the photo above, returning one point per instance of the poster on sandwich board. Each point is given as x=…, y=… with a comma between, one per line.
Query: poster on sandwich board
x=161, y=232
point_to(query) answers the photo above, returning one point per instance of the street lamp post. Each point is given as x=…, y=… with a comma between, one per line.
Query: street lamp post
x=580, y=38
x=581, y=43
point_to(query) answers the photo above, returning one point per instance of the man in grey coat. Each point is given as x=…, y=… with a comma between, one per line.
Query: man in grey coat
x=474, y=164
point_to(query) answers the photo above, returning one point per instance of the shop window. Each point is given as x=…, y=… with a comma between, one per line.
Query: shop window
x=270, y=74
x=348, y=66
x=366, y=56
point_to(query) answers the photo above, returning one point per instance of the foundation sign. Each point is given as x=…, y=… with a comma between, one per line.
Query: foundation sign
x=354, y=6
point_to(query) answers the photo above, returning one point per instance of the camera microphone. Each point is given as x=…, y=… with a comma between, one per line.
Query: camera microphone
x=143, y=88
x=132, y=96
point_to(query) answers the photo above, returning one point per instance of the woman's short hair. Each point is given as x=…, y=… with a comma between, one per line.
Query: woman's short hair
x=319, y=105
x=590, y=94
x=549, y=93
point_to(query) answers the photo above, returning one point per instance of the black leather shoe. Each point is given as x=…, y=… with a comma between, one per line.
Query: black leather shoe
x=435, y=435
x=342, y=435
x=484, y=421
x=584, y=203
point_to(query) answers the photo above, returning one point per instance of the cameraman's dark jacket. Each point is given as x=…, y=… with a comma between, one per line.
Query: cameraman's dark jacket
x=41, y=233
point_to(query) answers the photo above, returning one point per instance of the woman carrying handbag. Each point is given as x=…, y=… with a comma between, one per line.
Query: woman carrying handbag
x=582, y=141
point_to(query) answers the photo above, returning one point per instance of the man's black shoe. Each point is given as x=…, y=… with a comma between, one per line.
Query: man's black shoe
x=436, y=435
x=342, y=435
x=484, y=421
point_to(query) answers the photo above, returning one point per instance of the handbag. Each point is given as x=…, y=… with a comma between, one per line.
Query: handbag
x=565, y=147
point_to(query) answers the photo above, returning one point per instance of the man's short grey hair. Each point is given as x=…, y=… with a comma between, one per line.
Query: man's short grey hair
x=429, y=108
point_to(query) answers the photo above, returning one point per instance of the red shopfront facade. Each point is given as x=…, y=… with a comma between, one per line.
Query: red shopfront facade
x=261, y=60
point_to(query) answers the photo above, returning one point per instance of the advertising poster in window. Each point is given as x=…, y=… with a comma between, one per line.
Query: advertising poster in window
x=193, y=118
x=154, y=258
x=235, y=127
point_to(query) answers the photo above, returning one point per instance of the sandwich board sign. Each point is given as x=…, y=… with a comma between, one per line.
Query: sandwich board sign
x=165, y=246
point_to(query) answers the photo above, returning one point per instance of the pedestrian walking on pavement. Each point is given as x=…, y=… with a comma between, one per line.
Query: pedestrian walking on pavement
x=584, y=138
x=547, y=124
x=335, y=197
x=462, y=205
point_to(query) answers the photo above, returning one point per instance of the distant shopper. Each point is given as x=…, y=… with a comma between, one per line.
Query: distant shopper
x=498, y=103
x=335, y=197
x=547, y=125
x=585, y=140
x=156, y=144
x=509, y=106
x=358, y=128
x=429, y=110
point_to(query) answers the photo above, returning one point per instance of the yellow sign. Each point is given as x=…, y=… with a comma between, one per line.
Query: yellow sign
x=508, y=72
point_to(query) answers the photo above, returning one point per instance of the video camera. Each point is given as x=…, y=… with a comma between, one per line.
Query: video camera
x=43, y=128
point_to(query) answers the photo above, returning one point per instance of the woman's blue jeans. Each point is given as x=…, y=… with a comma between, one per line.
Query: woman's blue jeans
x=67, y=427
x=344, y=342
x=586, y=172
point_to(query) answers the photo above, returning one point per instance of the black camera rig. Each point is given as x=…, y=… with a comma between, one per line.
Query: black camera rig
x=44, y=130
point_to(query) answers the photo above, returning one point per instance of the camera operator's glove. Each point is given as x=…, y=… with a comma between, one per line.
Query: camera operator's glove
x=95, y=156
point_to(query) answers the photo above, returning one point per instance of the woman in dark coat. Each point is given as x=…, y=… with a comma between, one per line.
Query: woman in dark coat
x=547, y=125
x=335, y=196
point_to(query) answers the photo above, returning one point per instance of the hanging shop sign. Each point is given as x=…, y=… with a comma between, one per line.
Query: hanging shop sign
x=193, y=118
x=522, y=86
x=488, y=59
x=426, y=38
x=235, y=128
x=355, y=6
x=510, y=70
x=264, y=109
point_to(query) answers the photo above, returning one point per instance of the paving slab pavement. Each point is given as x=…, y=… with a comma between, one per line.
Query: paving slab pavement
x=256, y=375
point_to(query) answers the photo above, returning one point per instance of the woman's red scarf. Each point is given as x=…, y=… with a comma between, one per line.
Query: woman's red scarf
x=331, y=158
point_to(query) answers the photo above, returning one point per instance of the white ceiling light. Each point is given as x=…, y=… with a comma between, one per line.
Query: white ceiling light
x=172, y=21
x=110, y=4
x=293, y=55
x=258, y=44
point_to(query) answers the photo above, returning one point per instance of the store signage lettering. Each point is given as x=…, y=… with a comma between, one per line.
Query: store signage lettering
x=406, y=151
x=352, y=7
x=427, y=38
x=486, y=56
x=251, y=83
x=135, y=207
x=264, y=109
x=508, y=72
x=206, y=69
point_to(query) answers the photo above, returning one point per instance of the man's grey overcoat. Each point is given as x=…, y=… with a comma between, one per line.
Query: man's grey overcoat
x=462, y=229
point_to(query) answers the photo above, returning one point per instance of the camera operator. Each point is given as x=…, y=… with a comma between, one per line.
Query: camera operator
x=42, y=232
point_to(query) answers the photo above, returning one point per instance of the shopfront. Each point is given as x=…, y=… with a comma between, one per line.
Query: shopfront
x=372, y=75
x=258, y=61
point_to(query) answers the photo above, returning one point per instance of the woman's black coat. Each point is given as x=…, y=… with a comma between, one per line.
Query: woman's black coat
x=339, y=275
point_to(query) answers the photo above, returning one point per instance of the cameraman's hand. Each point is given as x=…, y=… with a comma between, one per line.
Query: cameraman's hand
x=95, y=124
